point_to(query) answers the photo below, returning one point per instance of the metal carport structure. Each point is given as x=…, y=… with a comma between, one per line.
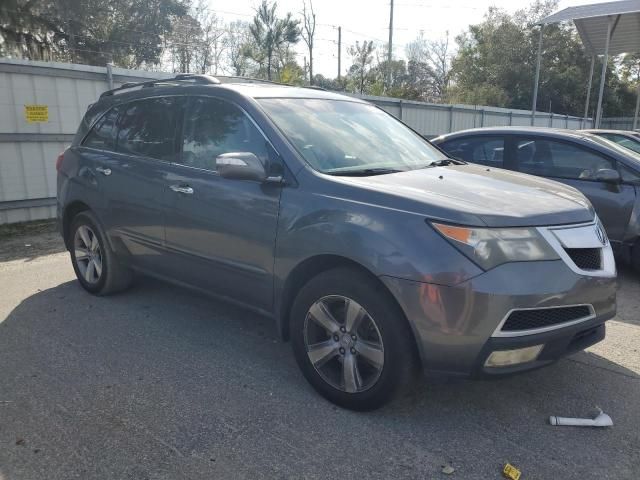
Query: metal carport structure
x=605, y=29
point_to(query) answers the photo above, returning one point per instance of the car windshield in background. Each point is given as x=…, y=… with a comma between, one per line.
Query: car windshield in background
x=616, y=146
x=627, y=141
x=348, y=138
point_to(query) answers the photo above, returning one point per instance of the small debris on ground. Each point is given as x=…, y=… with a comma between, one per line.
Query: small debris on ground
x=20, y=441
x=511, y=472
x=448, y=469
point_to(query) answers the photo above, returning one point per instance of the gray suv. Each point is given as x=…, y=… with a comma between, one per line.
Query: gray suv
x=374, y=253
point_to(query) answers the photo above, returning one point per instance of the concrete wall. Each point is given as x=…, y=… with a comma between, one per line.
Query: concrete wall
x=28, y=151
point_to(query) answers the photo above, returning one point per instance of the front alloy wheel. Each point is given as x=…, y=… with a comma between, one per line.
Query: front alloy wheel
x=351, y=339
x=343, y=343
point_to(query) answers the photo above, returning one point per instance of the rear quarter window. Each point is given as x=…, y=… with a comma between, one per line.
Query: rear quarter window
x=103, y=134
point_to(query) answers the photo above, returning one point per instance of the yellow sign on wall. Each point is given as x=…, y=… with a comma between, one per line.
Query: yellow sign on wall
x=36, y=113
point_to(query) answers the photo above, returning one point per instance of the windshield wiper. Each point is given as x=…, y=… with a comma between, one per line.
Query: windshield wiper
x=365, y=172
x=446, y=161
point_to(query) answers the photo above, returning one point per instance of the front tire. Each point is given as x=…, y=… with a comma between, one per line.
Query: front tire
x=95, y=265
x=351, y=340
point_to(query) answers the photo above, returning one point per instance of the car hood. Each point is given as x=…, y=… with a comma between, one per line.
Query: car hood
x=476, y=195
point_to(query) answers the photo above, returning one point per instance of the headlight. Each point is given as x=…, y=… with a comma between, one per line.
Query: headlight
x=490, y=247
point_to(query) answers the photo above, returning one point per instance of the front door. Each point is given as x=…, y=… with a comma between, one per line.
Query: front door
x=220, y=233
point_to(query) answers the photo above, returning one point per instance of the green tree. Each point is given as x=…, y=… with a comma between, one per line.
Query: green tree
x=496, y=60
x=128, y=32
x=272, y=34
x=362, y=57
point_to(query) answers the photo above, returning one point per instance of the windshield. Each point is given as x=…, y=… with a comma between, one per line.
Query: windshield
x=342, y=137
x=615, y=146
x=631, y=142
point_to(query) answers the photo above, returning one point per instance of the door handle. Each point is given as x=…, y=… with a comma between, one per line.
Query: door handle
x=105, y=171
x=186, y=189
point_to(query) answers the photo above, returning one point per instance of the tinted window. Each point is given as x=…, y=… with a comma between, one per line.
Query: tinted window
x=483, y=150
x=147, y=128
x=628, y=175
x=213, y=127
x=103, y=134
x=551, y=158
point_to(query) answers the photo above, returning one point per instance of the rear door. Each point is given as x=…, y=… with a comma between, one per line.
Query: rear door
x=220, y=233
x=133, y=177
x=576, y=165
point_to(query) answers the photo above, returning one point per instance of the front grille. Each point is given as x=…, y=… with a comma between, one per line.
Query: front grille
x=586, y=258
x=543, y=317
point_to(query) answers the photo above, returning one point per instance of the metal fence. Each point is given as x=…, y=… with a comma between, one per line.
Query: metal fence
x=433, y=119
x=42, y=104
x=617, y=123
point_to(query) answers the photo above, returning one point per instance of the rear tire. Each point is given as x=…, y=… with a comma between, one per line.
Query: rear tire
x=351, y=340
x=95, y=265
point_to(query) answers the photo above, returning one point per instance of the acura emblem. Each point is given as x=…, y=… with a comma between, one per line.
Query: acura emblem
x=600, y=235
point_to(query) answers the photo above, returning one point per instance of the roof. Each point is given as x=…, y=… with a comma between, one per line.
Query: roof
x=268, y=90
x=591, y=21
x=630, y=133
x=249, y=87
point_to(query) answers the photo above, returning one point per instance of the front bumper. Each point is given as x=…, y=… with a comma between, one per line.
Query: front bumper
x=455, y=325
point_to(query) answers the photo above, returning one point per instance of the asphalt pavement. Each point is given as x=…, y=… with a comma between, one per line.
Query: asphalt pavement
x=163, y=383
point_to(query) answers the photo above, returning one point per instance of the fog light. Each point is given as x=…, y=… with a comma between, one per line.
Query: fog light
x=503, y=358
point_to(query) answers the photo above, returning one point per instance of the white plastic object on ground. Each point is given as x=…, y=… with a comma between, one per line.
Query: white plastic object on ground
x=601, y=420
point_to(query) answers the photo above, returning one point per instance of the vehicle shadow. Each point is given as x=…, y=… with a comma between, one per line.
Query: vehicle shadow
x=162, y=382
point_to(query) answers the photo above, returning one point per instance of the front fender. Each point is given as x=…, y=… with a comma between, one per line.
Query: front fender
x=385, y=241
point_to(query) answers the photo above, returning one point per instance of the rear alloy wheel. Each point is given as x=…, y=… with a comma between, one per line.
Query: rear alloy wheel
x=96, y=266
x=88, y=254
x=351, y=340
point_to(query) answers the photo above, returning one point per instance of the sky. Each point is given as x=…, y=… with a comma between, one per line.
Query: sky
x=369, y=20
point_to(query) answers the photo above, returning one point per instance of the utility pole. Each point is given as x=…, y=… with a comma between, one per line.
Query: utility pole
x=390, y=44
x=339, y=51
x=537, y=81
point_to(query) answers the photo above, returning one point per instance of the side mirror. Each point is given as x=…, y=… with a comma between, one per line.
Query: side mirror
x=607, y=175
x=241, y=166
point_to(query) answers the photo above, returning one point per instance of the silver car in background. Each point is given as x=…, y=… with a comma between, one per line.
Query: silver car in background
x=375, y=254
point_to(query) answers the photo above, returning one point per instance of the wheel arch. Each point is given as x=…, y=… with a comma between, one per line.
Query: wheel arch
x=69, y=213
x=313, y=266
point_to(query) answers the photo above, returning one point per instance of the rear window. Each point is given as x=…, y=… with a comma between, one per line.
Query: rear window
x=148, y=128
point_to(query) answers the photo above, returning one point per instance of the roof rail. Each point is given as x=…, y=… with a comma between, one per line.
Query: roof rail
x=182, y=77
x=240, y=79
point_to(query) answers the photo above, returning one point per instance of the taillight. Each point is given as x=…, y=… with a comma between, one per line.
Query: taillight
x=59, y=161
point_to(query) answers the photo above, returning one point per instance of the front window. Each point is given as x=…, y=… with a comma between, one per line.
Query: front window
x=550, y=158
x=342, y=137
x=484, y=150
x=213, y=127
